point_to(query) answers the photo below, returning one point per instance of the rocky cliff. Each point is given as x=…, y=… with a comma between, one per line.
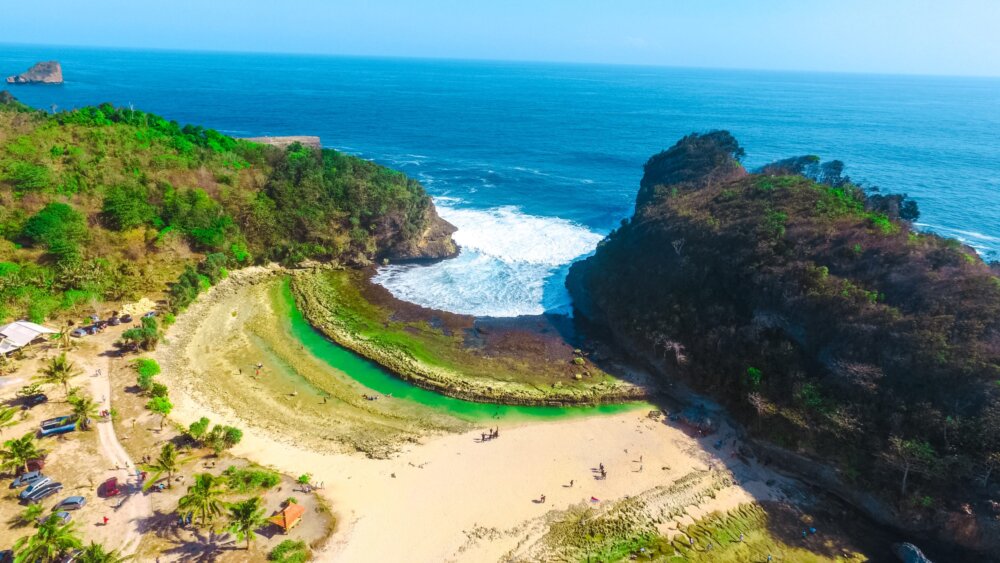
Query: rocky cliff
x=48, y=72
x=823, y=322
x=434, y=242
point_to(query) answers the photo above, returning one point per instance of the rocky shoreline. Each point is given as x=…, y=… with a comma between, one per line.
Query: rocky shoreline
x=47, y=72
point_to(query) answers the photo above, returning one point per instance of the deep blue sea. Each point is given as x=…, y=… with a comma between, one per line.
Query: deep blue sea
x=536, y=162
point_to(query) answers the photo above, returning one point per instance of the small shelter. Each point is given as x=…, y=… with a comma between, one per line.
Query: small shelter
x=19, y=334
x=288, y=517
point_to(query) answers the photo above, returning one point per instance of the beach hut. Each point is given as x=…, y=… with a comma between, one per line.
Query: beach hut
x=288, y=517
x=19, y=334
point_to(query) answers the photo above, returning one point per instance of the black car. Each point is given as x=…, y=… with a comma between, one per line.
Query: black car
x=125, y=318
x=114, y=321
x=43, y=492
x=35, y=400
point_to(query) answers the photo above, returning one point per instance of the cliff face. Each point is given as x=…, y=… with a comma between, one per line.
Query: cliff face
x=49, y=72
x=823, y=324
x=433, y=243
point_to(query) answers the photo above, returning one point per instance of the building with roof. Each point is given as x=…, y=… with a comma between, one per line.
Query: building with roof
x=19, y=334
x=288, y=517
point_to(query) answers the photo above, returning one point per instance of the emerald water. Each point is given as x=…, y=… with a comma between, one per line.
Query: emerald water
x=380, y=381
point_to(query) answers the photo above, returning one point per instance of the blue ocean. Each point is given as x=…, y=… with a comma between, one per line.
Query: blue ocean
x=535, y=163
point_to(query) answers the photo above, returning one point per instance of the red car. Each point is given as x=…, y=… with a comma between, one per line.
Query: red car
x=109, y=488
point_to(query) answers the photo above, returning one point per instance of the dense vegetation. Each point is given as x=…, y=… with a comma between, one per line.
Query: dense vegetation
x=815, y=313
x=103, y=203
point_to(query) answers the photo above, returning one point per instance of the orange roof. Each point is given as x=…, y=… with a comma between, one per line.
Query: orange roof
x=288, y=517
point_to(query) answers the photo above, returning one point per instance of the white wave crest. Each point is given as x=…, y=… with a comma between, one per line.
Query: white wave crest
x=511, y=264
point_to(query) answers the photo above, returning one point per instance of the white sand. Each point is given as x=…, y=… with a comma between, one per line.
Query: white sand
x=453, y=484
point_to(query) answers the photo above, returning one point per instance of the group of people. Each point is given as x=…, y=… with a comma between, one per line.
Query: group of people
x=602, y=471
x=493, y=433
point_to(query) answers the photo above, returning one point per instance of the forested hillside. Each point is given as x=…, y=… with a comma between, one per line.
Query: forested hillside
x=816, y=314
x=103, y=204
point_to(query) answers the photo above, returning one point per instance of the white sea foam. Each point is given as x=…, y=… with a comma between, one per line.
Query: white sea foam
x=511, y=264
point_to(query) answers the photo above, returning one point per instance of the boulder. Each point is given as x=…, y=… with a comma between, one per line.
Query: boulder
x=48, y=72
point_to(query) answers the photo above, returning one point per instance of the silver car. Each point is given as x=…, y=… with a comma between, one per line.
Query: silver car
x=26, y=479
x=38, y=484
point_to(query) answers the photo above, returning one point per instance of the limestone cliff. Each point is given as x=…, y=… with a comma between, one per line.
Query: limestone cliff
x=434, y=243
x=48, y=72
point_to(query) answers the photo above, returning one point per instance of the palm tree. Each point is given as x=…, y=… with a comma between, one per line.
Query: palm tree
x=84, y=408
x=60, y=371
x=202, y=498
x=245, y=518
x=166, y=463
x=29, y=515
x=7, y=417
x=52, y=540
x=95, y=553
x=19, y=451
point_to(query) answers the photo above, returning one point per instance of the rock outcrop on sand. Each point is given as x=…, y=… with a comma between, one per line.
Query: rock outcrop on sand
x=47, y=72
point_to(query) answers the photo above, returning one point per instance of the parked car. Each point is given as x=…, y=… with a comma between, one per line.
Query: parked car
x=26, y=479
x=79, y=332
x=63, y=516
x=109, y=488
x=58, y=425
x=38, y=484
x=149, y=314
x=126, y=318
x=35, y=400
x=7, y=556
x=71, y=503
x=44, y=492
x=114, y=321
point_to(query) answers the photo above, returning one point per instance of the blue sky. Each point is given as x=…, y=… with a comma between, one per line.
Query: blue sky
x=891, y=36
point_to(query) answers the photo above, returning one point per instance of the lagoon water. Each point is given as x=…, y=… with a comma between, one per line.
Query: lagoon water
x=536, y=162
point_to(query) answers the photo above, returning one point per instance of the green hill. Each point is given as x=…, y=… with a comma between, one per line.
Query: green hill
x=815, y=313
x=104, y=203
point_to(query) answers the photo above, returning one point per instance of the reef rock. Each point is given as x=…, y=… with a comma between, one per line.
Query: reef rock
x=48, y=72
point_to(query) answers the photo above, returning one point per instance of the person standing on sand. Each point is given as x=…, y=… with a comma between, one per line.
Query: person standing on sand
x=571, y=483
x=543, y=499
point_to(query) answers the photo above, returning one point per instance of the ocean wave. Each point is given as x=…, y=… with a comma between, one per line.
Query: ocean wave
x=511, y=264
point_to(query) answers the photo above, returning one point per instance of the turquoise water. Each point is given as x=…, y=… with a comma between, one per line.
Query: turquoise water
x=372, y=376
x=535, y=162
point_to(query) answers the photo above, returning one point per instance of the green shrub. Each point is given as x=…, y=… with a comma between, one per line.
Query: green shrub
x=250, y=479
x=127, y=207
x=289, y=551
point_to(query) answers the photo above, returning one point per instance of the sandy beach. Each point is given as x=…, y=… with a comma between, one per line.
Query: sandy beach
x=443, y=494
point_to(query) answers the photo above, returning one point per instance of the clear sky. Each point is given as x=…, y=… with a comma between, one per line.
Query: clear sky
x=892, y=36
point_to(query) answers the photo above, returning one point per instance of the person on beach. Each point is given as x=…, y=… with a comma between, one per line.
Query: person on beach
x=105, y=520
x=543, y=499
x=571, y=483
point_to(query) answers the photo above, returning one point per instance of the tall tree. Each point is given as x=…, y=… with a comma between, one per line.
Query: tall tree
x=910, y=456
x=17, y=452
x=84, y=408
x=51, y=542
x=245, y=518
x=59, y=371
x=203, y=498
x=166, y=462
x=161, y=406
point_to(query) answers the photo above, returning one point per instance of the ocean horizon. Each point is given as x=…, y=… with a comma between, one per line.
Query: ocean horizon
x=536, y=162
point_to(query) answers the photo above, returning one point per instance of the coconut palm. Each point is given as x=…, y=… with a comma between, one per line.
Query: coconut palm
x=96, y=553
x=49, y=544
x=18, y=451
x=166, y=462
x=59, y=371
x=202, y=498
x=7, y=417
x=245, y=518
x=84, y=408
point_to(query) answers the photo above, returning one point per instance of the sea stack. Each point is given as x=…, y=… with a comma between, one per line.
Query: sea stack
x=47, y=72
